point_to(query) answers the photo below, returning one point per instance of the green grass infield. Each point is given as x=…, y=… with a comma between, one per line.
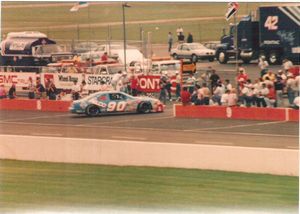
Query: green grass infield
x=26, y=185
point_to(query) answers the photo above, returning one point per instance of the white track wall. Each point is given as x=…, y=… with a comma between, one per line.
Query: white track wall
x=130, y=153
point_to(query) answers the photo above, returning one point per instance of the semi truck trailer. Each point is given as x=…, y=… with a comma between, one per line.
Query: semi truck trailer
x=274, y=32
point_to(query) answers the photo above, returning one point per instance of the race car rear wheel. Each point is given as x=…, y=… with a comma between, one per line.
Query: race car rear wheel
x=144, y=108
x=92, y=111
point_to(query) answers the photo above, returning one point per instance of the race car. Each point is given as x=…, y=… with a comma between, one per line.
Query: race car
x=114, y=102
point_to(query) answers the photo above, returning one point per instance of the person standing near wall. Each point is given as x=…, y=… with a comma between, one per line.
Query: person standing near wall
x=179, y=31
x=170, y=41
x=31, y=88
x=12, y=92
x=190, y=38
x=178, y=82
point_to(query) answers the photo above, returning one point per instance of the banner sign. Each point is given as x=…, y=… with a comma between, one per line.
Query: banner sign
x=93, y=81
x=150, y=84
x=18, y=78
x=62, y=80
x=147, y=83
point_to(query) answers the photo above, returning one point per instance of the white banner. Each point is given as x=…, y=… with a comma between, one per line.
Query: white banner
x=66, y=80
x=18, y=78
x=93, y=81
x=62, y=80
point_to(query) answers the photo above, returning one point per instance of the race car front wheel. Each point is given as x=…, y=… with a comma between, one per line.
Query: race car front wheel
x=92, y=111
x=144, y=108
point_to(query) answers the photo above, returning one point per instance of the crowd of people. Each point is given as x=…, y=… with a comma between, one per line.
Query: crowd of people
x=266, y=91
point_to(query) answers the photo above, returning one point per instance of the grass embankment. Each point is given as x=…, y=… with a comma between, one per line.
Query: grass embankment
x=38, y=184
x=50, y=19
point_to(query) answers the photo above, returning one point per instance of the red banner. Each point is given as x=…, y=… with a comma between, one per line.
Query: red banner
x=150, y=84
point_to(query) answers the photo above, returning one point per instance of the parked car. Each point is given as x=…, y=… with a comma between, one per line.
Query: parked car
x=193, y=51
x=110, y=102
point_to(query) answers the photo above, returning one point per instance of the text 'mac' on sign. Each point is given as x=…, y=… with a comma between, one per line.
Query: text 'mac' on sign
x=231, y=10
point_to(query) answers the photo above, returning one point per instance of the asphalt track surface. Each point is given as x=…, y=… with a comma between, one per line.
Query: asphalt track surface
x=154, y=127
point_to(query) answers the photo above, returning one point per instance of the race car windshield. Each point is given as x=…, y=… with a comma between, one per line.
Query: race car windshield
x=196, y=46
x=48, y=49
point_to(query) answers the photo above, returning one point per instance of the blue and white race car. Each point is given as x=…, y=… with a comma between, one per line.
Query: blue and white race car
x=113, y=102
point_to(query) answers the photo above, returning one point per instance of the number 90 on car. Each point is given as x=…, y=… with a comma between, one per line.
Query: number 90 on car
x=115, y=102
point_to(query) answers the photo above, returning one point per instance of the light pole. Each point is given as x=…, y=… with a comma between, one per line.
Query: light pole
x=124, y=32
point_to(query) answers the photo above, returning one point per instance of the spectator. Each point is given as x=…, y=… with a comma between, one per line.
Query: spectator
x=76, y=90
x=224, y=98
x=185, y=97
x=296, y=103
x=168, y=87
x=134, y=85
x=271, y=97
x=115, y=79
x=228, y=85
x=242, y=78
x=247, y=94
x=194, y=95
x=121, y=85
x=40, y=90
x=197, y=96
x=256, y=88
x=12, y=92
x=291, y=88
x=232, y=98
x=178, y=82
x=190, y=38
x=181, y=38
x=287, y=64
x=104, y=57
x=217, y=94
x=2, y=91
x=279, y=86
x=268, y=82
x=214, y=79
x=31, y=88
x=163, y=90
x=170, y=41
x=179, y=31
x=125, y=83
x=83, y=89
x=205, y=92
x=206, y=76
x=191, y=82
x=51, y=91
x=263, y=65
x=270, y=75
x=262, y=94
